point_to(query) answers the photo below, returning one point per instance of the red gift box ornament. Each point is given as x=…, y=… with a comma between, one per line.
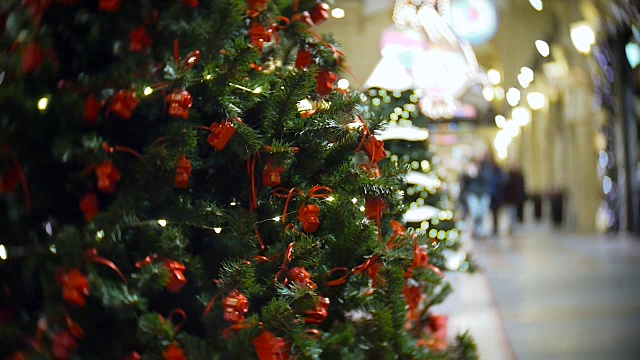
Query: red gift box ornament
x=257, y=5
x=304, y=60
x=325, y=81
x=270, y=347
x=75, y=287
x=140, y=39
x=192, y=3
x=319, y=13
x=373, y=208
x=124, y=102
x=108, y=176
x=62, y=344
x=259, y=34
x=413, y=295
x=89, y=206
x=271, y=174
x=309, y=216
x=176, y=275
x=236, y=305
x=374, y=149
x=173, y=352
x=92, y=109
x=221, y=133
x=302, y=277
x=320, y=312
x=183, y=172
x=179, y=104
x=32, y=58
x=109, y=5
x=420, y=257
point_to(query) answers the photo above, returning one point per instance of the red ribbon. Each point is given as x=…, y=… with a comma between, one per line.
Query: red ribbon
x=192, y=58
x=288, y=256
x=112, y=149
x=316, y=192
x=339, y=281
x=92, y=255
x=364, y=134
x=74, y=328
x=170, y=317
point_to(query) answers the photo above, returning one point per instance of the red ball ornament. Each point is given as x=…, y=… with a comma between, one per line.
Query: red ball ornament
x=269, y=347
x=236, y=305
x=124, y=102
x=108, y=176
x=183, y=172
x=32, y=58
x=319, y=13
x=109, y=5
x=259, y=35
x=92, y=109
x=271, y=174
x=176, y=275
x=373, y=208
x=374, y=149
x=221, y=133
x=89, y=206
x=75, y=287
x=62, y=345
x=302, y=277
x=179, y=104
x=257, y=5
x=304, y=60
x=192, y=3
x=320, y=312
x=174, y=352
x=140, y=39
x=309, y=216
x=325, y=81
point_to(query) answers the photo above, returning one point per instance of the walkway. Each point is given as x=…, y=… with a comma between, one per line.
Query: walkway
x=551, y=295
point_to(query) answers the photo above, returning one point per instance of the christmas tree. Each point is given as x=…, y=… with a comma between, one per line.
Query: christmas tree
x=181, y=180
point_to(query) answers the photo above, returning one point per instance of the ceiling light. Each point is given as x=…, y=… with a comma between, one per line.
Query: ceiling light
x=337, y=13
x=494, y=76
x=536, y=100
x=582, y=36
x=542, y=47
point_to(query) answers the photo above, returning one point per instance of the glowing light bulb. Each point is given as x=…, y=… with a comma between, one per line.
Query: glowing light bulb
x=488, y=94
x=542, y=47
x=3, y=252
x=521, y=115
x=362, y=208
x=162, y=222
x=536, y=100
x=499, y=92
x=330, y=198
x=100, y=235
x=513, y=96
x=500, y=120
x=277, y=218
x=343, y=84
x=148, y=90
x=257, y=90
x=494, y=76
x=208, y=77
x=337, y=13
x=43, y=103
x=537, y=4
x=217, y=230
x=354, y=200
x=582, y=37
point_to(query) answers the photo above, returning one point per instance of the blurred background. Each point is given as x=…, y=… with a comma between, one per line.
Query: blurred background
x=548, y=90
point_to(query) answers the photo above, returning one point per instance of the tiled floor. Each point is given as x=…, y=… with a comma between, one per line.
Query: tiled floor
x=551, y=295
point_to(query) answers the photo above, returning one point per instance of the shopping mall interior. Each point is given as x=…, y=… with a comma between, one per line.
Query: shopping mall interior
x=550, y=87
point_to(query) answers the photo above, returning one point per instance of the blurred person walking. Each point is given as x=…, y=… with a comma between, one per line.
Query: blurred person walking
x=514, y=197
x=475, y=191
x=497, y=179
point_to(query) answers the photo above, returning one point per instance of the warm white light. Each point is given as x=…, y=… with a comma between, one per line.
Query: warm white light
x=162, y=222
x=343, y=84
x=513, y=96
x=582, y=36
x=100, y=235
x=233, y=203
x=277, y=218
x=494, y=76
x=487, y=93
x=330, y=198
x=500, y=120
x=208, y=77
x=217, y=230
x=537, y=4
x=522, y=80
x=542, y=47
x=337, y=13
x=53, y=249
x=148, y=90
x=354, y=200
x=632, y=50
x=257, y=90
x=3, y=252
x=499, y=92
x=511, y=128
x=362, y=208
x=521, y=115
x=536, y=100
x=43, y=103
x=527, y=74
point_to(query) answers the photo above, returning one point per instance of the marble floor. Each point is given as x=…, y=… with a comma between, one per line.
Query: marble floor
x=544, y=294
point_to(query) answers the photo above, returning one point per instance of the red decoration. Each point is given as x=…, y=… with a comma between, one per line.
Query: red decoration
x=32, y=58
x=257, y=5
x=269, y=347
x=437, y=326
x=374, y=149
x=192, y=3
x=259, y=35
x=420, y=257
x=133, y=356
x=176, y=275
x=9, y=181
x=413, y=295
x=372, y=271
x=140, y=39
x=89, y=206
x=271, y=174
x=221, y=133
x=183, y=172
x=75, y=287
x=304, y=60
x=320, y=312
x=302, y=277
x=309, y=216
x=92, y=109
x=319, y=13
x=62, y=345
x=179, y=104
x=325, y=80
x=124, y=102
x=374, y=208
x=108, y=176
x=235, y=306
x=174, y=352
x=109, y=5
